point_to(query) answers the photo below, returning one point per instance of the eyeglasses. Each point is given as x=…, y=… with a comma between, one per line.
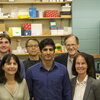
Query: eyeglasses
x=30, y=46
x=46, y=49
x=68, y=45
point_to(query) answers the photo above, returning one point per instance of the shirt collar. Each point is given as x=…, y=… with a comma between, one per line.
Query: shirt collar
x=54, y=66
x=69, y=59
x=83, y=82
x=34, y=60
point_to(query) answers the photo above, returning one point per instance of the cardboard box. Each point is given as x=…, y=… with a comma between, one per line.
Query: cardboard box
x=14, y=31
x=51, y=13
x=32, y=12
x=26, y=32
x=36, y=29
x=2, y=28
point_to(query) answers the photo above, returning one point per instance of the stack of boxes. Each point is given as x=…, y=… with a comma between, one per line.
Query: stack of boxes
x=56, y=30
x=26, y=29
x=65, y=10
x=53, y=27
x=58, y=47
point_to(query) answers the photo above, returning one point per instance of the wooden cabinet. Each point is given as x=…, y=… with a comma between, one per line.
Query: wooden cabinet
x=24, y=4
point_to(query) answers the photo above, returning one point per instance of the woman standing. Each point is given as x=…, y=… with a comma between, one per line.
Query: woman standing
x=12, y=86
x=83, y=82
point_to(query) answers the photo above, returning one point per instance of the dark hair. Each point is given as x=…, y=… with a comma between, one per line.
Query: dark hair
x=89, y=64
x=5, y=59
x=71, y=35
x=46, y=41
x=26, y=44
x=4, y=35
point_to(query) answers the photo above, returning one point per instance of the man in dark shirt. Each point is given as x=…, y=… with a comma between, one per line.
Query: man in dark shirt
x=5, y=43
x=72, y=44
x=32, y=47
x=48, y=80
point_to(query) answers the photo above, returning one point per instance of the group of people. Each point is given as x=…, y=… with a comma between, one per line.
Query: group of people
x=69, y=76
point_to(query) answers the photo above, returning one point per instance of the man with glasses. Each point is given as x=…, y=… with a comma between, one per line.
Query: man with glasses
x=32, y=47
x=72, y=45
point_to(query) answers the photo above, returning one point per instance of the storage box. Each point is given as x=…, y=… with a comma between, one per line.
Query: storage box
x=32, y=12
x=54, y=31
x=27, y=26
x=2, y=28
x=51, y=13
x=26, y=32
x=14, y=31
x=36, y=29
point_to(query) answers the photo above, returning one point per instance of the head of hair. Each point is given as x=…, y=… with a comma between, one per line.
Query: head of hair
x=26, y=44
x=71, y=35
x=45, y=42
x=89, y=64
x=4, y=35
x=6, y=59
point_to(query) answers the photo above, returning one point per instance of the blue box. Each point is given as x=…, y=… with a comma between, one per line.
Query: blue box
x=32, y=12
x=26, y=32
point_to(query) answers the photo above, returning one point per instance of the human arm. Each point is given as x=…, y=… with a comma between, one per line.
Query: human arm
x=29, y=83
x=26, y=92
x=22, y=70
x=67, y=91
x=96, y=89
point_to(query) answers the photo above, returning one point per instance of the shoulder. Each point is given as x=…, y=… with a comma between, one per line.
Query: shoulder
x=96, y=84
x=23, y=81
x=88, y=55
x=73, y=79
x=62, y=55
x=24, y=61
x=36, y=66
x=21, y=63
x=96, y=87
x=91, y=80
x=59, y=65
x=61, y=68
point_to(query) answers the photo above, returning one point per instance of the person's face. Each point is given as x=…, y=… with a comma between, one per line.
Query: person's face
x=47, y=53
x=32, y=47
x=81, y=66
x=71, y=46
x=10, y=68
x=4, y=45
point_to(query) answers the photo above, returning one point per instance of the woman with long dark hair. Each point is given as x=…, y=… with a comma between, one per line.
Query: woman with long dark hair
x=12, y=85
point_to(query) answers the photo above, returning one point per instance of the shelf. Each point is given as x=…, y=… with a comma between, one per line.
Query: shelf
x=27, y=54
x=94, y=55
x=38, y=36
x=25, y=3
x=67, y=17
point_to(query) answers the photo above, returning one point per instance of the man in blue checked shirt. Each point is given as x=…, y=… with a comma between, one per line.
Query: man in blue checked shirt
x=48, y=80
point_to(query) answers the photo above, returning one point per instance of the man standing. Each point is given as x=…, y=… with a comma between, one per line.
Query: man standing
x=48, y=80
x=5, y=43
x=72, y=45
x=32, y=47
